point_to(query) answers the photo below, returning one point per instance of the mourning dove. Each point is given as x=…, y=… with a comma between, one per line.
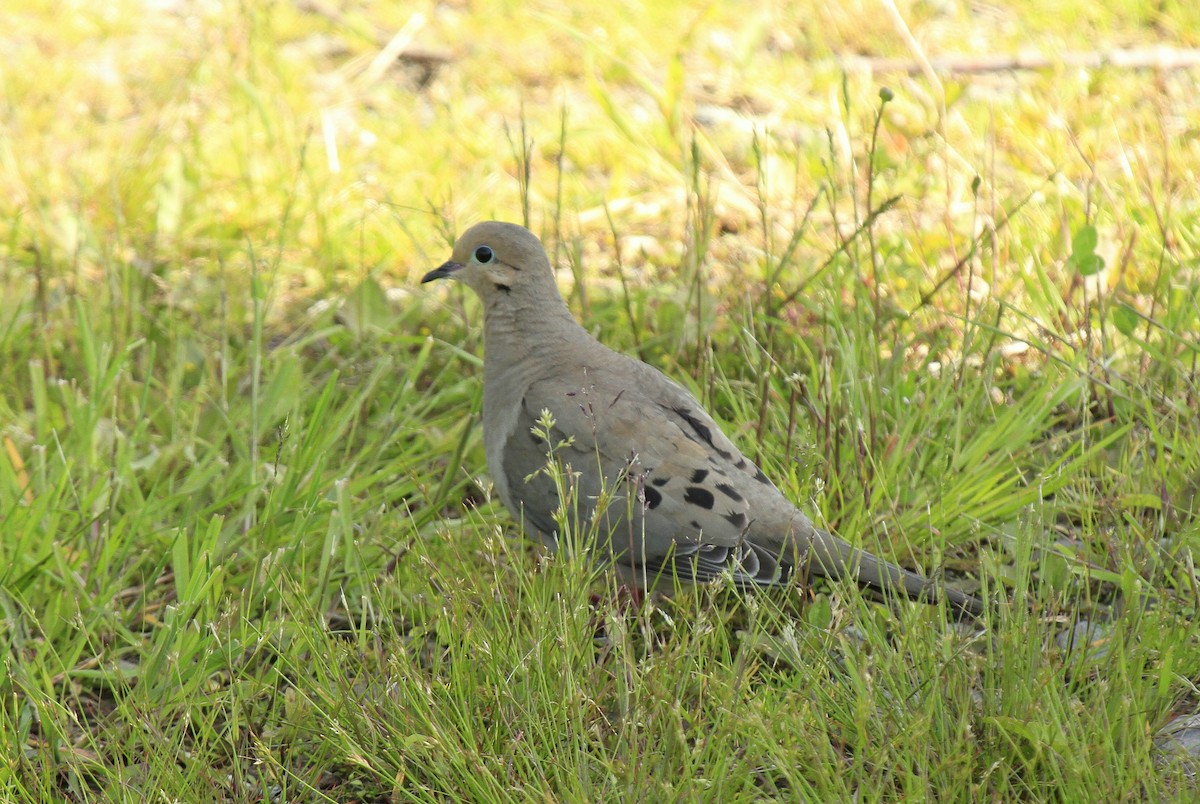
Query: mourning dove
x=682, y=502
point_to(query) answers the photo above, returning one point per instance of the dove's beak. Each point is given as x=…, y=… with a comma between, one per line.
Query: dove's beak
x=442, y=271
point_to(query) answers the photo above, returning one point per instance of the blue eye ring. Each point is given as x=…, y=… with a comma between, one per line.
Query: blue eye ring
x=484, y=254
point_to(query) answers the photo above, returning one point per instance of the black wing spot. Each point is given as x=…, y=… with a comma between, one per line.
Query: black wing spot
x=700, y=427
x=726, y=455
x=729, y=491
x=661, y=481
x=696, y=525
x=737, y=519
x=762, y=478
x=505, y=288
x=653, y=498
x=699, y=475
x=699, y=496
x=741, y=464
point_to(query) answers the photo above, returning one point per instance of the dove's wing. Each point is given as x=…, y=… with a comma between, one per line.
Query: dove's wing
x=673, y=493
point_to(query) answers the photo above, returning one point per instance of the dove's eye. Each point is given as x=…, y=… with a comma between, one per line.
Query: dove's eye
x=484, y=254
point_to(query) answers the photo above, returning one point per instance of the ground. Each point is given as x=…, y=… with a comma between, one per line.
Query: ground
x=933, y=265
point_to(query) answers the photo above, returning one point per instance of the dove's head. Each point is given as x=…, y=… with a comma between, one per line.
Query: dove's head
x=499, y=261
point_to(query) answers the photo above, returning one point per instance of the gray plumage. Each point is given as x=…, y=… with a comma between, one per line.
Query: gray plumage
x=683, y=502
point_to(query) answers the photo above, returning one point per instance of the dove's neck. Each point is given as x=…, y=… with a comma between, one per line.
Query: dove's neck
x=518, y=339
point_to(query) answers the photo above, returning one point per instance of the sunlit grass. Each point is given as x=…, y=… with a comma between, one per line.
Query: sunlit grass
x=248, y=547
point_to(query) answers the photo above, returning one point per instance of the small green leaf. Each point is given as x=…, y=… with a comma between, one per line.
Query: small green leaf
x=1089, y=264
x=1084, y=242
x=819, y=614
x=1083, y=252
x=1125, y=319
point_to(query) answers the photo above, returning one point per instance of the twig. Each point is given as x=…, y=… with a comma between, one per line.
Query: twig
x=976, y=242
x=398, y=48
x=1145, y=58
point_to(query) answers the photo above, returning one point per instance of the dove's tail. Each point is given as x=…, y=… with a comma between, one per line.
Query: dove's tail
x=835, y=558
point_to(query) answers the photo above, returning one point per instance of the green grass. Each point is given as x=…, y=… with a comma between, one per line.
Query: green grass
x=248, y=550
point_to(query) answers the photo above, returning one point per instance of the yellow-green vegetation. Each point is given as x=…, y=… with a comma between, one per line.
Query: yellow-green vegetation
x=247, y=549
